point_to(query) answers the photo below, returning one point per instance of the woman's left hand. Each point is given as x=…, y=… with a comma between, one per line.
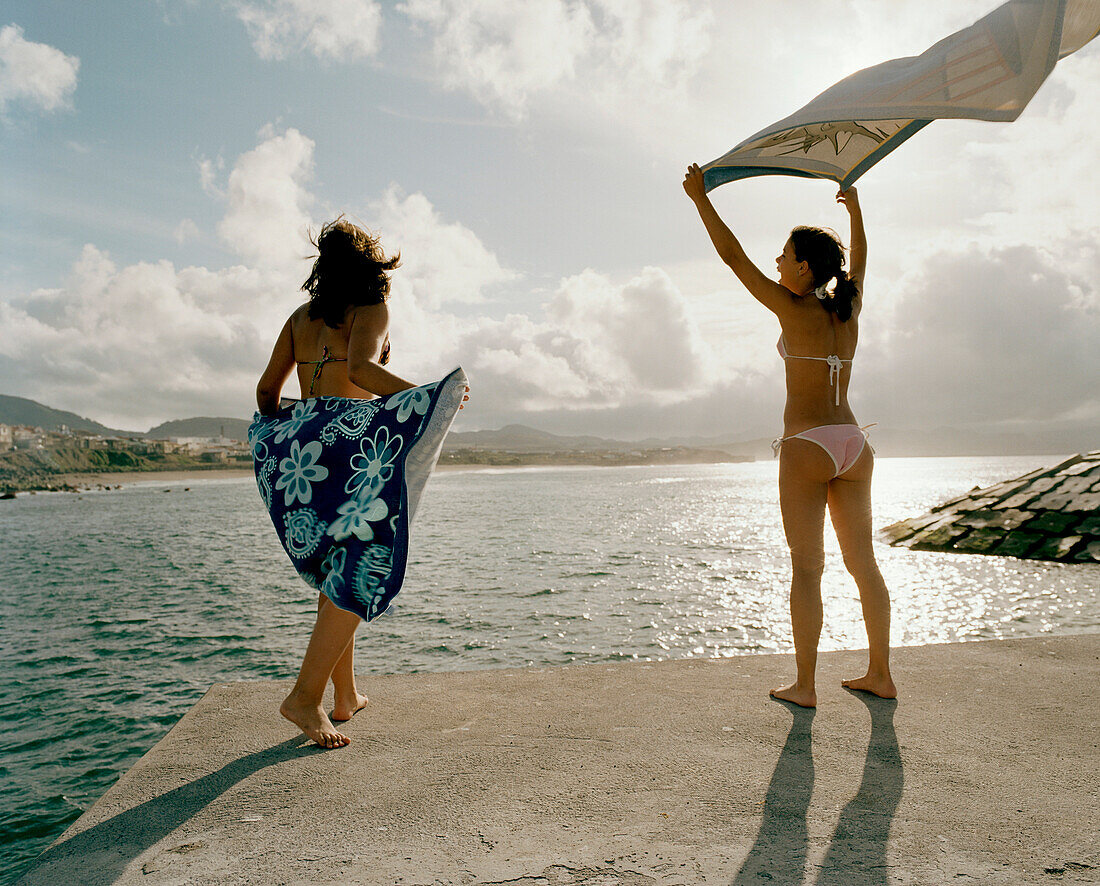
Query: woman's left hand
x=849, y=198
x=693, y=183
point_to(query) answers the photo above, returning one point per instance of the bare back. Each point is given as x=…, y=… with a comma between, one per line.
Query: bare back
x=811, y=331
x=322, y=353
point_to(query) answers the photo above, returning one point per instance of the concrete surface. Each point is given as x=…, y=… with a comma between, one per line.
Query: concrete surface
x=638, y=774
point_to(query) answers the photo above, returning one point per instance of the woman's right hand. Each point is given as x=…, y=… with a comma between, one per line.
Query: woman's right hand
x=693, y=183
x=849, y=198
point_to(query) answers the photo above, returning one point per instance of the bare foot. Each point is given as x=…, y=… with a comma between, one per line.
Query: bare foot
x=806, y=698
x=876, y=684
x=313, y=722
x=343, y=710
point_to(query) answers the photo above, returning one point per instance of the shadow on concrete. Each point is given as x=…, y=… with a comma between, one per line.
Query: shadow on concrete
x=857, y=852
x=778, y=856
x=100, y=854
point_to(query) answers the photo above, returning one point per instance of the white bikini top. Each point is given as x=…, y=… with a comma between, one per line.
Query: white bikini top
x=835, y=364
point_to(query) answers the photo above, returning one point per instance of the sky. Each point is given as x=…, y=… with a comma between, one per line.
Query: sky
x=164, y=160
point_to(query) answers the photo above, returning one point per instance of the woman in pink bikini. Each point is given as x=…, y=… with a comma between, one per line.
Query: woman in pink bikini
x=824, y=459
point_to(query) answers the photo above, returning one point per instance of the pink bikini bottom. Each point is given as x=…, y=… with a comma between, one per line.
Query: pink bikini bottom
x=844, y=443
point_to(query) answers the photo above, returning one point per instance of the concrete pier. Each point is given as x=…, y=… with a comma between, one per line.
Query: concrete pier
x=682, y=772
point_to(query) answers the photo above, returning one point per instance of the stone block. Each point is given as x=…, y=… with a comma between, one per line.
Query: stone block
x=1011, y=519
x=1043, y=484
x=974, y=504
x=1056, y=548
x=978, y=519
x=1052, y=501
x=1090, y=553
x=1014, y=519
x=1017, y=544
x=1081, y=467
x=1074, y=484
x=896, y=532
x=980, y=541
x=937, y=538
x=1019, y=500
x=1084, y=503
x=1052, y=522
x=1001, y=490
x=926, y=520
x=951, y=502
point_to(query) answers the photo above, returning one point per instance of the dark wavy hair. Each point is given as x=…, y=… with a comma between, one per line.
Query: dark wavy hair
x=822, y=250
x=350, y=269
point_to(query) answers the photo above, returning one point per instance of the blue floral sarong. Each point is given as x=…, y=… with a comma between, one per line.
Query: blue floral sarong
x=341, y=479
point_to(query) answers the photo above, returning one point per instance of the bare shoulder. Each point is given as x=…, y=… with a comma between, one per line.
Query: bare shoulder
x=375, y=316
x=299, y=316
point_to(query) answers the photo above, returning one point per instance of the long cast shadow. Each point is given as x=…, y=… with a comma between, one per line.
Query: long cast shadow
x=857, y=853
x=100, y=854
x=778, y=856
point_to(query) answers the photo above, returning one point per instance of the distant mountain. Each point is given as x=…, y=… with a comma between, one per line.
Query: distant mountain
x=21, y=411
x=1052, y=438
x=1056, y=438
x=520, y=438
x=233, y=428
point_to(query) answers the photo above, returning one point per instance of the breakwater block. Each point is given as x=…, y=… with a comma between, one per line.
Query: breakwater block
x=673, y=773
x=1048, y=514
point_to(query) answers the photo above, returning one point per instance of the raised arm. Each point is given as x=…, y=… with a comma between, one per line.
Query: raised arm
x=275, y=375
x=857, y=248
x=365, y=343
x=772, y=295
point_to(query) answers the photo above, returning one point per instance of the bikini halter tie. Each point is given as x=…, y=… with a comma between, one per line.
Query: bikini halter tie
x=835, y=365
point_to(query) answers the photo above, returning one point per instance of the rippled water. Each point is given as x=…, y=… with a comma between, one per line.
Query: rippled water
x=119, y=609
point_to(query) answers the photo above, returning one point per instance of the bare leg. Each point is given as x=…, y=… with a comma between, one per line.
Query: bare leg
x=333, y=632
x=850, y=510
x=804, y=469
x=347, y=701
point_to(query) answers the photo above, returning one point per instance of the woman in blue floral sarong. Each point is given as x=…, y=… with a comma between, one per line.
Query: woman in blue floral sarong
x=342, y=514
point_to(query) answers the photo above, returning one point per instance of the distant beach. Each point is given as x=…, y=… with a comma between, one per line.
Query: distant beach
x=44, y=480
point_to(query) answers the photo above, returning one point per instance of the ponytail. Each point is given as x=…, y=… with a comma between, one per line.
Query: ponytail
x=822, y=250
x=844, y=294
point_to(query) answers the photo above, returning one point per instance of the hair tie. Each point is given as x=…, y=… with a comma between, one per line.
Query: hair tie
x=822, y=291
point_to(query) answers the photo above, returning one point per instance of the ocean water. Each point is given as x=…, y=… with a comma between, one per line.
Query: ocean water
x=118, y=609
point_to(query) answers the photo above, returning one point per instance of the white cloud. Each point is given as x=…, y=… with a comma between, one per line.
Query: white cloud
x=503, y=53
x=267, y=217
x=140, y=342
x=209, y=170
x=442, y=262
x=338, y=29
x=148, y=341
x=988, y=334
x=593, y=343
x=186, y=230
x=34, y=74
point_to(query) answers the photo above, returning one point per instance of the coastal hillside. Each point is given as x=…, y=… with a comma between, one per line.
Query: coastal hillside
x=21, y=411
x=203, y=426
x=59, y=467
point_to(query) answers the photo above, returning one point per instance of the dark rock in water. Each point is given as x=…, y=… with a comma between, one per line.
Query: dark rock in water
x=980, y=540
x=7, y=495
x=1091, y=552
x=1057, y=548
x=1054, y=522
x=1048, y=514
x=1018, y=544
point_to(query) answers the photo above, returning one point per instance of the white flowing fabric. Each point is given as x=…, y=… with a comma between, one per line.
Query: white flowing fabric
x=988, y=71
